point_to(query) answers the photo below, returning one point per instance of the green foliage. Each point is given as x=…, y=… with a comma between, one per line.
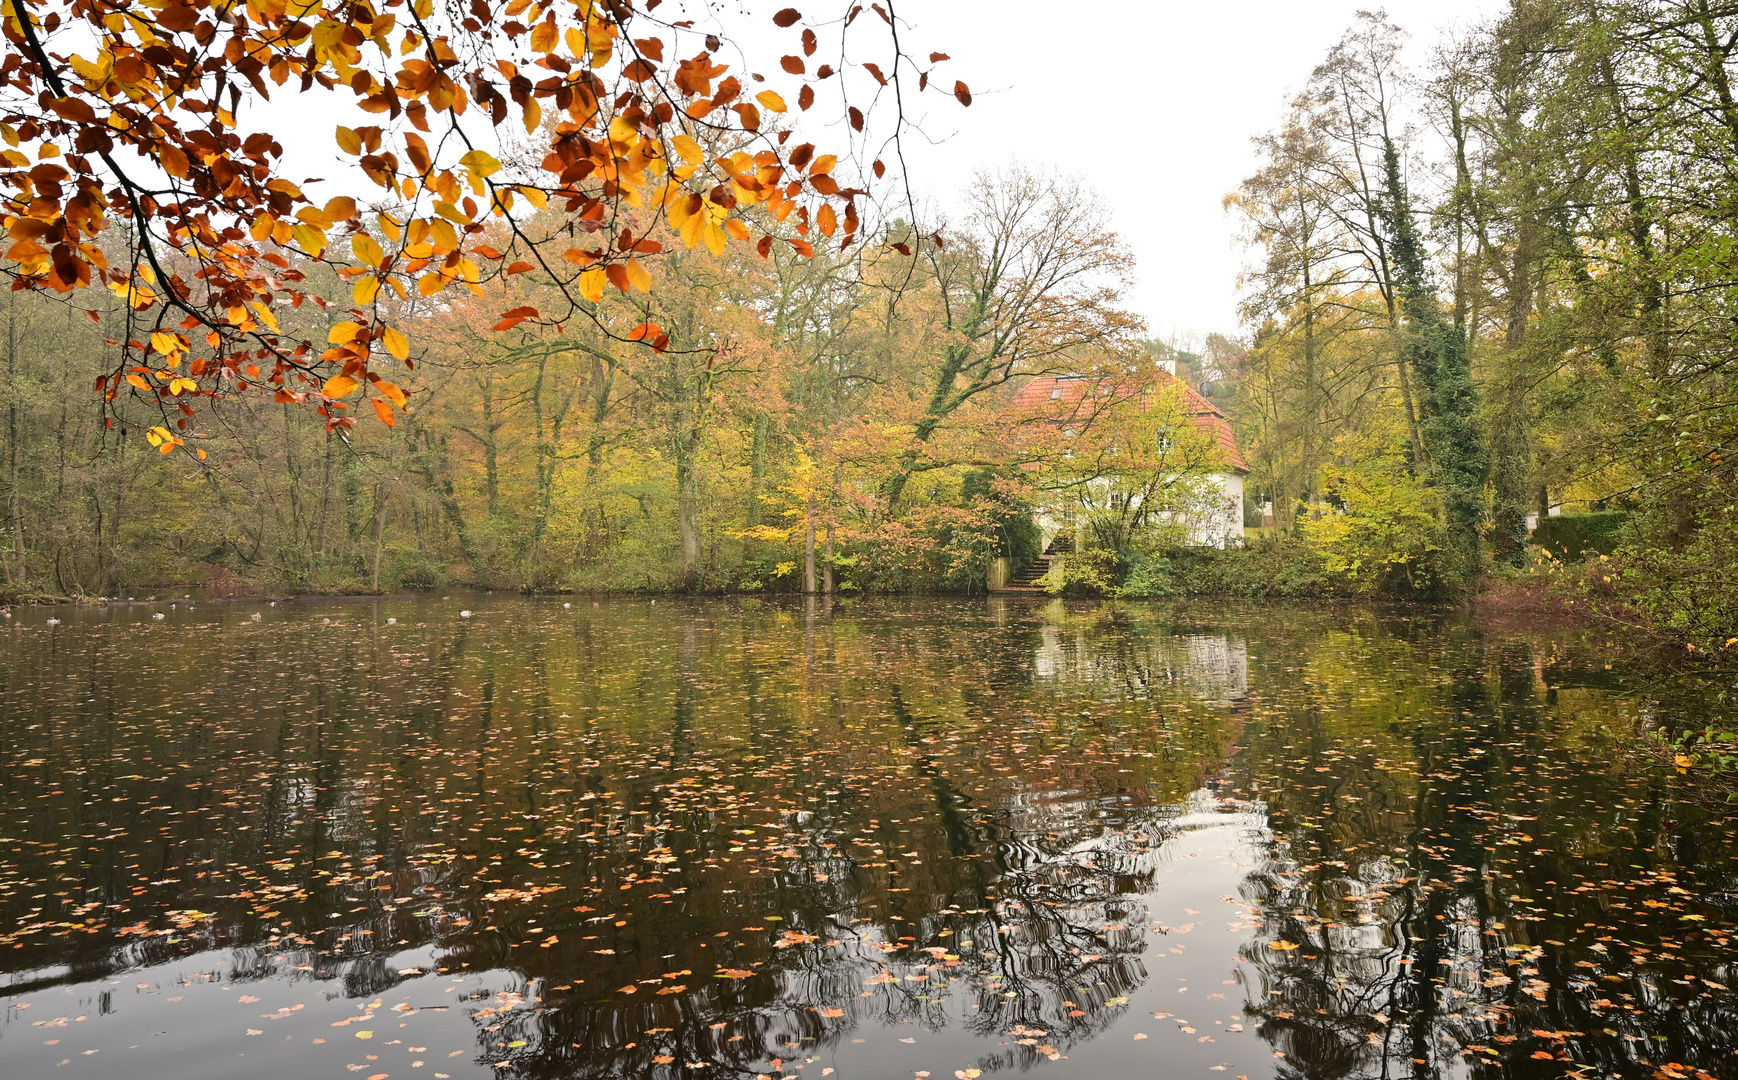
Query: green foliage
x=1573, y=535
x=1383, y=536
x=1087, y=571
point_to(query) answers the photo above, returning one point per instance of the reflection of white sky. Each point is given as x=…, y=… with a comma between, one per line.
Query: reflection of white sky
x=187, y=1019
x=1194, y=972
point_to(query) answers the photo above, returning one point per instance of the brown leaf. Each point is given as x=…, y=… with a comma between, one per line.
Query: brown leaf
x=963, y=92
x=787, y=17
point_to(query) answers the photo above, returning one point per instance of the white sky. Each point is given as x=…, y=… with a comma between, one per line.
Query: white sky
x=1181, y=88
x=1153, y=103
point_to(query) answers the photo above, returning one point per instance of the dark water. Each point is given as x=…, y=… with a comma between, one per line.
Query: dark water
x=901, y=840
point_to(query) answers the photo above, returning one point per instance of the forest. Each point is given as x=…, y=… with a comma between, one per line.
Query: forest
x=1488, y=317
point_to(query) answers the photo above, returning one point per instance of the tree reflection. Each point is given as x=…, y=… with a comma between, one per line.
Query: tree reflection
x=1448, y=940
x=743, y=835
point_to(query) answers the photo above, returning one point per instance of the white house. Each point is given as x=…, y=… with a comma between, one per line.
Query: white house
x=1219, y=523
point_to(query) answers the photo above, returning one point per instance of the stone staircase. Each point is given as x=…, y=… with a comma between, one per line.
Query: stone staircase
x=1028, y=579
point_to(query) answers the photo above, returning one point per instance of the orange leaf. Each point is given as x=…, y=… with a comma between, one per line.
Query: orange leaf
x=520, y=267
x=392, y=391
x=382, y=410
x=510, y=319
x=618, y=275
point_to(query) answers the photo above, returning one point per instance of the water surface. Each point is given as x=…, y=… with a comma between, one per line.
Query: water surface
x=886, y=841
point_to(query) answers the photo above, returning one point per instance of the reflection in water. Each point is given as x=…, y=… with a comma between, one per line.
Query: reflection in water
x=891, y=839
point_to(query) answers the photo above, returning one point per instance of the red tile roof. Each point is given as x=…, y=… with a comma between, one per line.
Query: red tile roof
x=1207, y=416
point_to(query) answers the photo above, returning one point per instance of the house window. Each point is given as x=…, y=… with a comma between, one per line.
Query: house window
x=1056, y=392
x=1165, y=440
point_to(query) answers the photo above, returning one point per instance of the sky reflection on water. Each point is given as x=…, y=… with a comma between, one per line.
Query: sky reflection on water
x=707, y=839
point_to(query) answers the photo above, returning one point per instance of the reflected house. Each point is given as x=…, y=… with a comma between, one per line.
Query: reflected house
x=1218, y=522
x=1209, y=667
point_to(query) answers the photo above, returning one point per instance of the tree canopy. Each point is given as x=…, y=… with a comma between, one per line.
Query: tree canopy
x=136, y=162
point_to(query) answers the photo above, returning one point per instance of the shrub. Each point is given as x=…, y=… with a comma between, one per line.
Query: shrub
x=1382, y=536
x=1574, y=534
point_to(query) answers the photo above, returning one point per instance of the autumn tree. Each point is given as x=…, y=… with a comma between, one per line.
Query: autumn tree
x=1029, y=284
x=612, y=115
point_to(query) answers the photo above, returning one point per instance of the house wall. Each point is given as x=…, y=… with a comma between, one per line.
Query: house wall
x=1221, y=525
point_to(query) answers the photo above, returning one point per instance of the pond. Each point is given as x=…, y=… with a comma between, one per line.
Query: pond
x=886, y=840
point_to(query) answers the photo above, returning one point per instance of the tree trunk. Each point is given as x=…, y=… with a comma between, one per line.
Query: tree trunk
x=809, y=545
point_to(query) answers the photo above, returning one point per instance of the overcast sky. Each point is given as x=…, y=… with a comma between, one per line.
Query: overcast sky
x=1160, y=99
x=1154, y=103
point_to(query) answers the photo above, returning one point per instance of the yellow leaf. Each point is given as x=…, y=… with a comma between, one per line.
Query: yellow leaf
x=429, y=284
x=533, y=115
x=165, y=343
x=823, y=164
x=689, y=149
x=343, y=332
x=396, y=344
x=339, y=385
x=537, y=196
x=367, y=249
x=309, y=239
x=365, y=290
x=265, y=314
x=480, y=163
x=391, y=227
x=591, y=284
x=348, y=140
x=770, y=101
x=638, y=276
